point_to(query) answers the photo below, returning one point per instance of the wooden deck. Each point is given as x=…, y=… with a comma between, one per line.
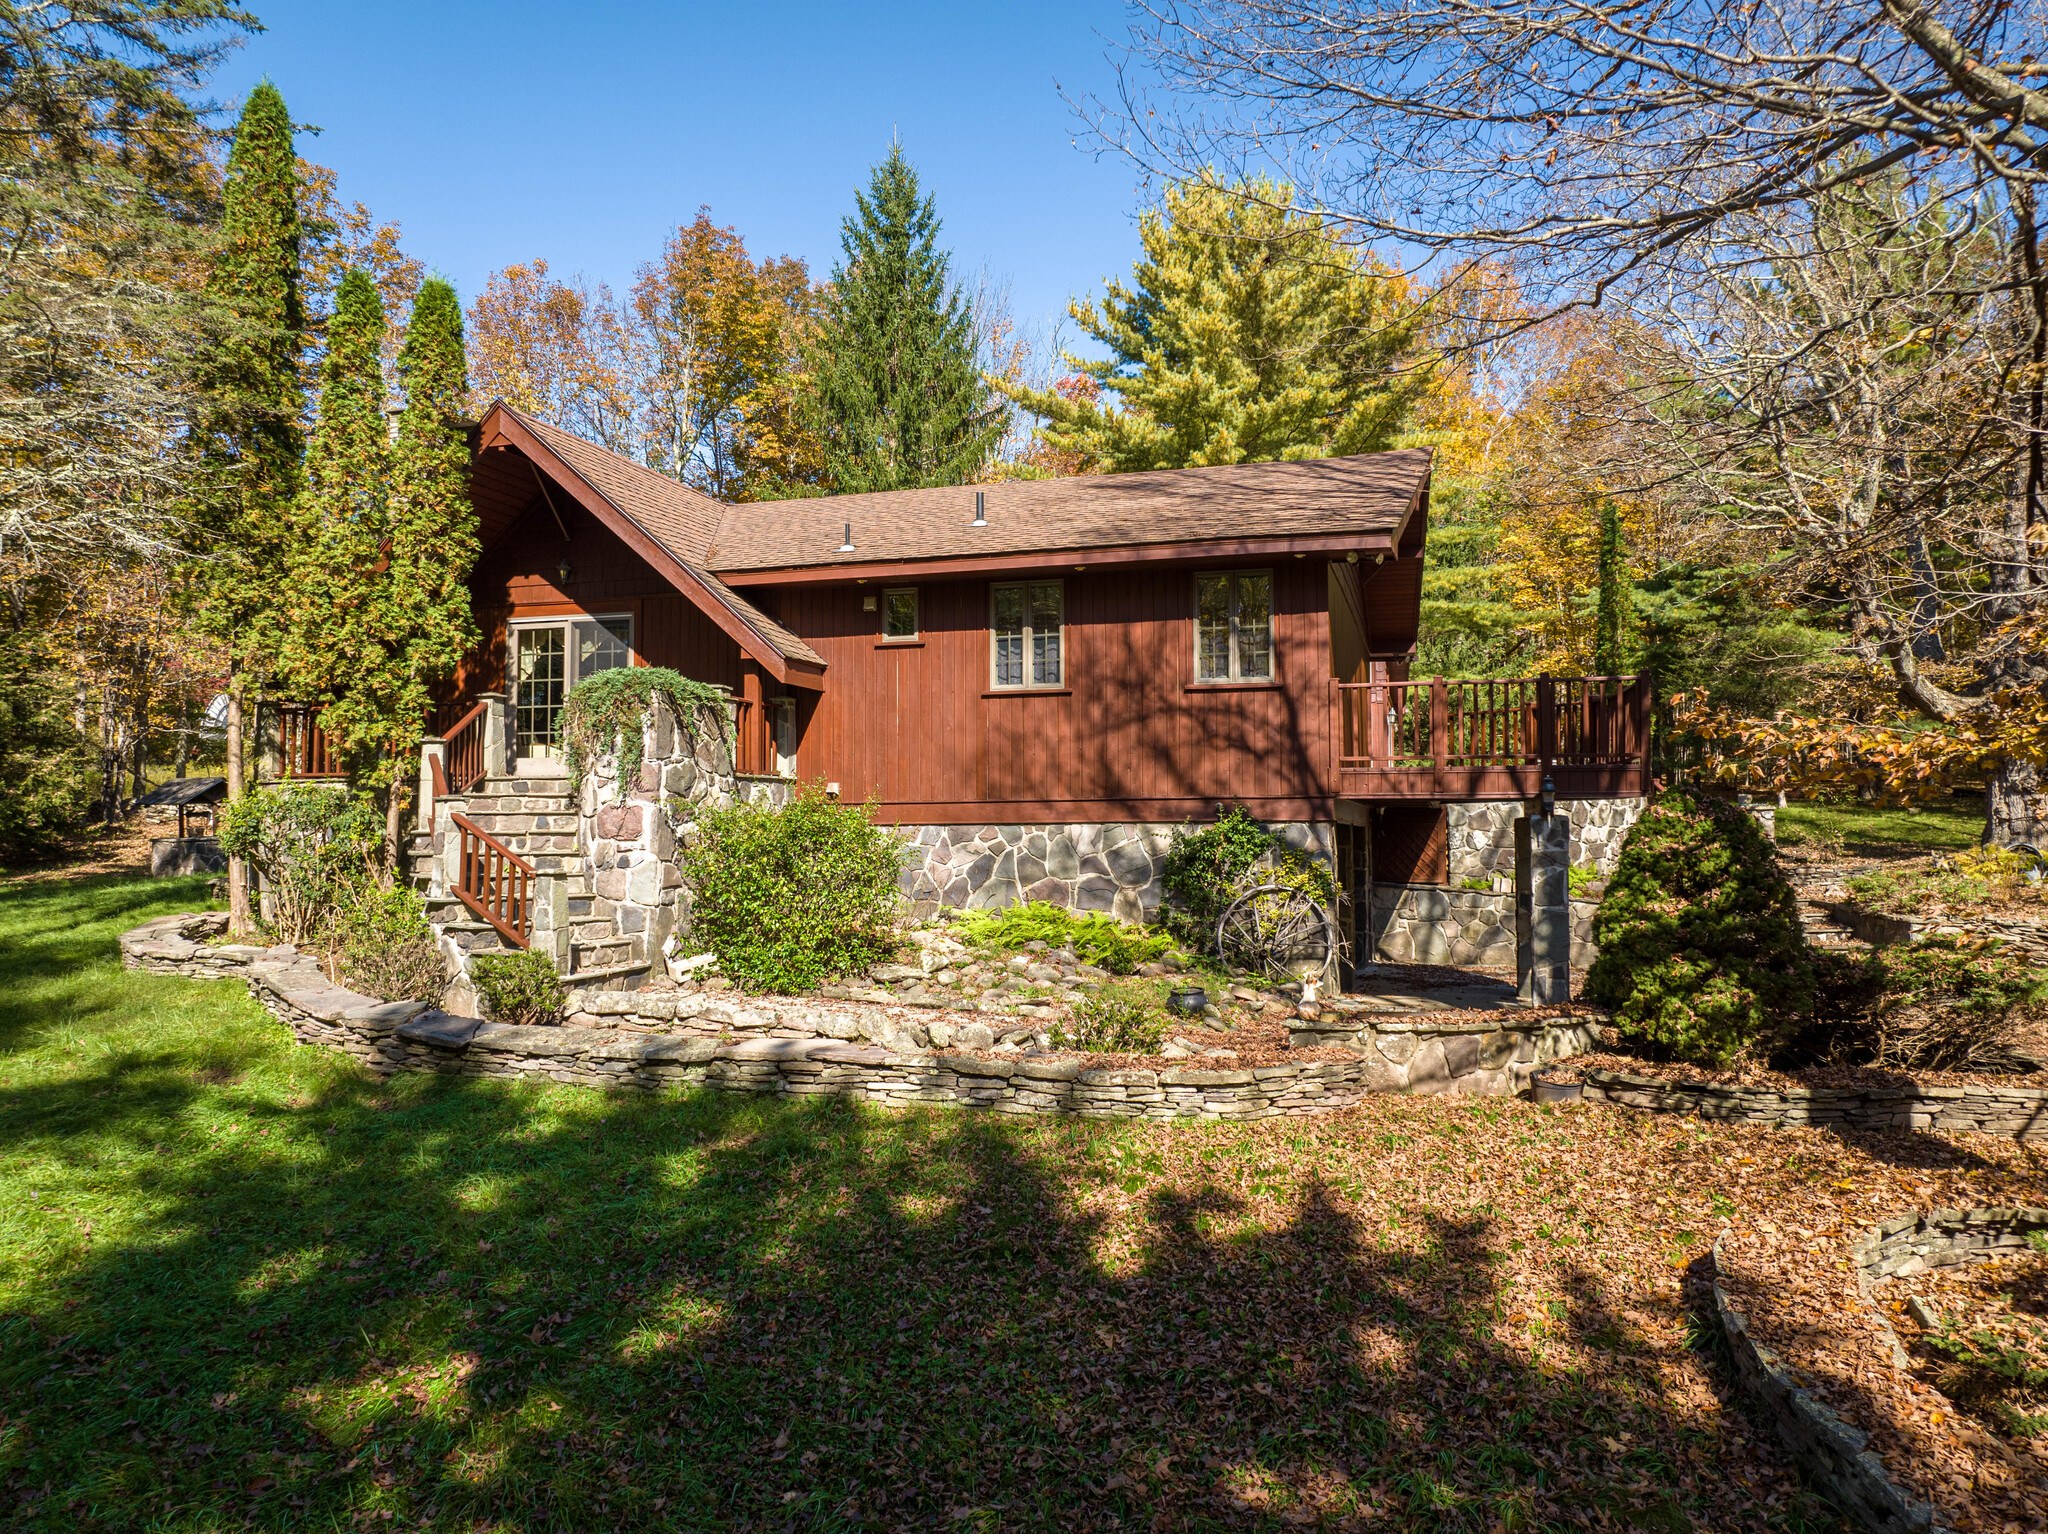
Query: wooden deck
x=1496, y=738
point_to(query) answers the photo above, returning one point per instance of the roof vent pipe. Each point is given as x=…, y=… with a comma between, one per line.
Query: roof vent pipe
x=847, y=547
x=980, y=515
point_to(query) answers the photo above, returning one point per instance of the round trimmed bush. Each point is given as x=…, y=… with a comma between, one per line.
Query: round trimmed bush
x=1701, y=951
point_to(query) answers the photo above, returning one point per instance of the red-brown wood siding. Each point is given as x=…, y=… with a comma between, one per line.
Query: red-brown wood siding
x=1128, y=737
x=517, y=577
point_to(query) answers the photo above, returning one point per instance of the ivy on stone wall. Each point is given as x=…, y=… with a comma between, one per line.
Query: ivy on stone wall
x=605, y=714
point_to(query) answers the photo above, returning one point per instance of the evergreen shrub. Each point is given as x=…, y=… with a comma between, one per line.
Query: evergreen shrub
x=787, y=897
x=1095, y=939
x=1701, y=951
x=385, y=947
x=1125, y=1018
x=520, y=988
x=47, y=765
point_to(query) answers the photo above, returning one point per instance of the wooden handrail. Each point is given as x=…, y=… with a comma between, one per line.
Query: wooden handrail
x=466, y=764
x=494, y=881
x=1443, y=731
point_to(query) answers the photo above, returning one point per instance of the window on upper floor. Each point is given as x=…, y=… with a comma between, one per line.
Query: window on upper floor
x=1027, y=623
x=1234, y=626
x=899, y=613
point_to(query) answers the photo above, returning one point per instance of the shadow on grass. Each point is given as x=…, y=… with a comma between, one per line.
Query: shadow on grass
x=453, y=1304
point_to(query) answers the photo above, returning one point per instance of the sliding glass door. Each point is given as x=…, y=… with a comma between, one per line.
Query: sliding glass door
x=549, y=657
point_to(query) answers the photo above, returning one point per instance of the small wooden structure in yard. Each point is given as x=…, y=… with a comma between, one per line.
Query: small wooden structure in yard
x=187, y=852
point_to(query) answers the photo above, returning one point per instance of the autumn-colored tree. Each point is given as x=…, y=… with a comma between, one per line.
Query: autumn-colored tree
x=1247, y=334
x=894, y=387
x=564, y=353
x=251, y=438
x=341, y=237
x=719, y=333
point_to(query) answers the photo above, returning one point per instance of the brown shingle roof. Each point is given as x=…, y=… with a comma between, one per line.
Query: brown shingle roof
x=1369, y=493
x=678, y=518
x=681, y=519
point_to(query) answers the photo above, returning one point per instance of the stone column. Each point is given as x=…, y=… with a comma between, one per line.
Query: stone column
x=433, y=748
x=499, y=741
x=1543, y=913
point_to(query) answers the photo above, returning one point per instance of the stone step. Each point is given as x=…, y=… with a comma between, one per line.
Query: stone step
x=610, y=977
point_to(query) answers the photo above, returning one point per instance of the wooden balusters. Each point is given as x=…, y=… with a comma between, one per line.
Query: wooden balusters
x=303, y=748
x=466, y=764
x=495, y=882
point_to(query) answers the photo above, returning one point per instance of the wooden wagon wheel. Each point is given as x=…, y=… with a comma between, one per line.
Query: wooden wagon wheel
x=1277, y=931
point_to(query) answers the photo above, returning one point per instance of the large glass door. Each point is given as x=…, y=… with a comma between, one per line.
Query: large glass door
x=548, y=659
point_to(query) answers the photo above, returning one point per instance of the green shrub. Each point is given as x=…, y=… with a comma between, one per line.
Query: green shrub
x=519, y=988
x=788, y=897
x=606, y=714
x=1208, y=868
x=1123, y=1019
x=1932, y=1005
x=1701, y=951
x=1095, y=939
x=385, y=947
x=315, y=847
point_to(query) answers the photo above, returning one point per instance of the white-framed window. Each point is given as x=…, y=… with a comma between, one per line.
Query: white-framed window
x=1027, y=622
x=549, y=657
x=899, y=613
x=1234, y=626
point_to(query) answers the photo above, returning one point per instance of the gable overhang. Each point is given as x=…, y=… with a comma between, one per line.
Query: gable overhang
x=502, y=430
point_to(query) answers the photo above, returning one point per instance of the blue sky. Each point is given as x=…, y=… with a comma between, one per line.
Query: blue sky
x=582, y=133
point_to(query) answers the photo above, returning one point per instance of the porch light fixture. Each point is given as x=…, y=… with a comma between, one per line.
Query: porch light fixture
x=562, y=572
x=847, y=546
x=980, y=511
x=1351, y=558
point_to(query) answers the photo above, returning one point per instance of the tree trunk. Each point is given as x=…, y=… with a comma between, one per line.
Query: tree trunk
x=394, y=818
x=2016, y=805
x=141, y=738
x=238, y=870
x=185, y=734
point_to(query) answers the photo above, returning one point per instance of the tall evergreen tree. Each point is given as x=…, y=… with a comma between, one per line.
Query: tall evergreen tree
x=338, y=535
x=250, y=439
x=1247, y=334
x=431, y=534
x=1613, y=597
x=895, y=391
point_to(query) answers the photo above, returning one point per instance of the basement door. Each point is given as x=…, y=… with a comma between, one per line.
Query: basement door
x=549, y=657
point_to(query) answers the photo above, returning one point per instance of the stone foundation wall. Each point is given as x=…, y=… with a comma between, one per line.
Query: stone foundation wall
x=907, y=1065
x=1482, y=837
x=2020, y=1112
x=1113, y=867
x=1428, y=924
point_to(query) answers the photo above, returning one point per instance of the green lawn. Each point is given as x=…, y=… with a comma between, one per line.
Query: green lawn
x=242, y=1283
x=1945, y=825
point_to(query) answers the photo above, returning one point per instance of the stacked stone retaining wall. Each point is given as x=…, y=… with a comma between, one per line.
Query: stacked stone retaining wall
x=880, y=1061
x=2020, y=1112
x=1881, y=929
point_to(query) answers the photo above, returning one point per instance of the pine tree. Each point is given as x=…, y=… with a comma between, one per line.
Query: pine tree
x=338, y=536
x=895, y=392
x=1248, y=334
x=249, y=438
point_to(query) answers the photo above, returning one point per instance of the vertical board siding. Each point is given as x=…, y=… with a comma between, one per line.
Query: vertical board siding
x=911, y=725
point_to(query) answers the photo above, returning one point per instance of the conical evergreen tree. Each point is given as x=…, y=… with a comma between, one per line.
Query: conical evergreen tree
x=1247, y=334
x=249, y=437
x=338, y=535
x=1613, y=594
x=895, y=392
x=431, y=537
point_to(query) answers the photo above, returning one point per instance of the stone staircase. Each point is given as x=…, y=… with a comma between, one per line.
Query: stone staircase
x=536, y=817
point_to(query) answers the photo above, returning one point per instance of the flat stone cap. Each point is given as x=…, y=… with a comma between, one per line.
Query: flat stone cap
x=440, y=1030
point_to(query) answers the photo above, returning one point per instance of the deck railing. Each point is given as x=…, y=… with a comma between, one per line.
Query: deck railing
x=495, y=882
x=1493, y=737
x=466, y=765
x=304, y=750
